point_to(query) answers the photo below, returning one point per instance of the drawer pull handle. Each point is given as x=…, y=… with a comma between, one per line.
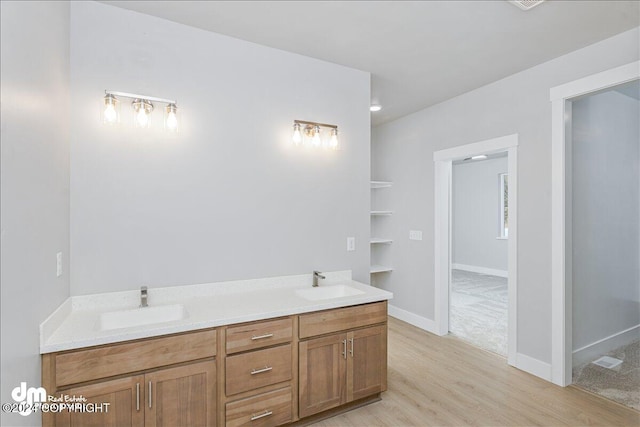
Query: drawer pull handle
x=344, y=348
x=137, y=396
x=264, y=414
x=259, y=337
x=351, y=348
x=259, y=371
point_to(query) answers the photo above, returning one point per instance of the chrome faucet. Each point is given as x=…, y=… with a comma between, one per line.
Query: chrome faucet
x=143, y=296
x=317, y=275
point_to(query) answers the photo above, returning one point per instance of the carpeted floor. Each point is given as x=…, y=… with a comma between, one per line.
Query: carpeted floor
x=620, y=384
x=478, y=310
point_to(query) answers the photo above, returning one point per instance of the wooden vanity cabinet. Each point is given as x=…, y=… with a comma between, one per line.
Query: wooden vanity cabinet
x=262, y=374
x=343, y=367
x=166, y=381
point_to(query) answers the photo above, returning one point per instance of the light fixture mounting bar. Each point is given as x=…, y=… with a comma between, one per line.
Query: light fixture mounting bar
x=135, y=96
x=304, y=122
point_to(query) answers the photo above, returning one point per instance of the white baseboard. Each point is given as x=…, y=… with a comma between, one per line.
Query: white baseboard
x=533, y=366
x=413, y=319
x=481, y=270
x=596, y=349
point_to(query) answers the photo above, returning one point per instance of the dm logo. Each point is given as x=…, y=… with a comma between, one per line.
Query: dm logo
x=31, y=395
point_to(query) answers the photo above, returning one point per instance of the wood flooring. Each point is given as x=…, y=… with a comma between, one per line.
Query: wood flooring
x=442, y=381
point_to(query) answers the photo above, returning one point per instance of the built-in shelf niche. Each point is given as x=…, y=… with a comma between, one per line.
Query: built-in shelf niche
x=379, y=241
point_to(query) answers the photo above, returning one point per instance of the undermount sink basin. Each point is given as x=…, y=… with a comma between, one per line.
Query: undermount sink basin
x=141, y=316
x=328, y=292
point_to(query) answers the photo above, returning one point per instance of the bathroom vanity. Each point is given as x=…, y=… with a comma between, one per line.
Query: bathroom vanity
x=302, y=353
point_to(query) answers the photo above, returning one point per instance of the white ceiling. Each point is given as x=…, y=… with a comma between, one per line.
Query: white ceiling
x=418, y=52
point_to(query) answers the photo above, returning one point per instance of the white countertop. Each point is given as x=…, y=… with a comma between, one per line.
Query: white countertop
x=76, y=323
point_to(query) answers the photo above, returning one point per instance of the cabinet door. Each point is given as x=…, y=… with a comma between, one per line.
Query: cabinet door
x=367, y=362
x=120, y=402
x=182, y=396
x=322, y=376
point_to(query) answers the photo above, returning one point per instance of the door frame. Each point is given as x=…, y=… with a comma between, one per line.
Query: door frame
x=443, y=160
x=561, y=273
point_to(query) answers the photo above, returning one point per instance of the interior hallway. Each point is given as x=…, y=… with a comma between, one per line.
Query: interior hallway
x=442, y=381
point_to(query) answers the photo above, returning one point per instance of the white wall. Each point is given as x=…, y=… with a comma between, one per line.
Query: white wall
x=475, y=224
x=403, y=152
x=606, y=216
x=228, y=197
x=35, y=183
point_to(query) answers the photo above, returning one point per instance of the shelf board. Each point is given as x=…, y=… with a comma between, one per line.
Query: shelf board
x=381, y=184
x=380, y=240
x=381, y=212
x=380, y=269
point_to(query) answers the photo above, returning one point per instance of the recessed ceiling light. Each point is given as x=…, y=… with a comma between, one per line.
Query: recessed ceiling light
x=375, y=107
x=478, y=157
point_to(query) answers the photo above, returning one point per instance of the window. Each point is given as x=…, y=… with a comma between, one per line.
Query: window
x=504, y=205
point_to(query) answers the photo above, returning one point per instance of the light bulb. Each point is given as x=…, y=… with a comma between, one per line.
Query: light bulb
x=142, y=118
x=110, y=115
x=142, y=109
x=171, y=122
x=316, y=137
x=297, y=135
x=333, y=141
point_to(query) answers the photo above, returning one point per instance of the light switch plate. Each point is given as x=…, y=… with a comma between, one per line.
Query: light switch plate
x=351, y=244
x=59, y=264
x=415, y=235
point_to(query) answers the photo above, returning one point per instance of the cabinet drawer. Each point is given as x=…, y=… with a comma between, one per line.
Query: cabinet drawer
x=341, y=319
x=255, y=335
x=110, y=360
x=263, y=410
x=258, y=368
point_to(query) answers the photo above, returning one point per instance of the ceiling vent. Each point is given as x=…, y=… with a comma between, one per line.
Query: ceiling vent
x=526, y=4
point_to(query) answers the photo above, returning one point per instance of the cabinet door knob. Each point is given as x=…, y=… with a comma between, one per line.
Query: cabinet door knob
x=259, y=371
x=266, y=413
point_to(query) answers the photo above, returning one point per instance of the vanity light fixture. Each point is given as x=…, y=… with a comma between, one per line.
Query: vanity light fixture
x=142, y=107
x=310, y=133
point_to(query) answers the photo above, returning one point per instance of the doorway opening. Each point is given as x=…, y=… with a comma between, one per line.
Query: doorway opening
x=562, y=227
x=478, y=291
x=457, y=290
x=603, y=240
